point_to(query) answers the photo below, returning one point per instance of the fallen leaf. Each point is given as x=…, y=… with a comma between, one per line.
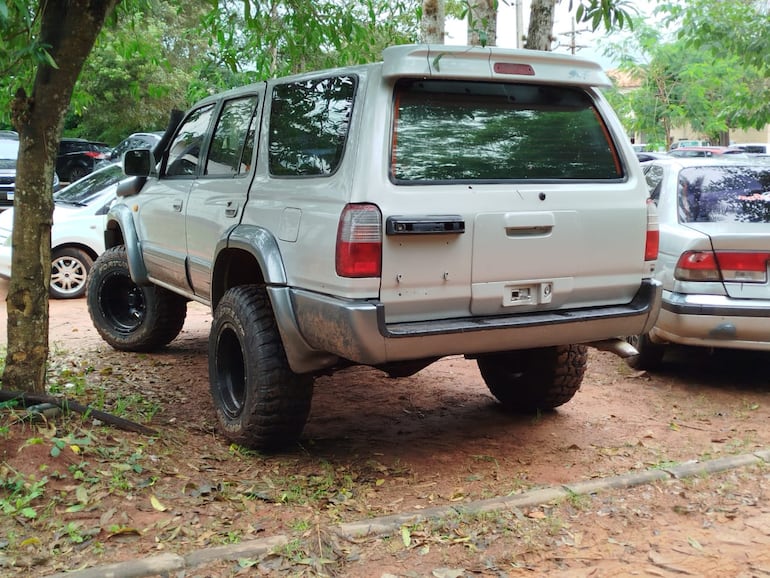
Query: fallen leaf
x=157, y=505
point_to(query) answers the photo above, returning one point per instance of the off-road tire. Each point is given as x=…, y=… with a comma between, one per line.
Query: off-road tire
x=128, y=316
x=650, y=355
x=260, y=402
x=69, y=273
x=532, y=380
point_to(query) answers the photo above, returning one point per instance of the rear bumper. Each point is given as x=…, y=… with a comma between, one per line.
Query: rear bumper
x=356, y=330
x=713, y=321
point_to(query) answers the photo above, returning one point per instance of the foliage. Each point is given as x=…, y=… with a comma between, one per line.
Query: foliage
x=680, y=84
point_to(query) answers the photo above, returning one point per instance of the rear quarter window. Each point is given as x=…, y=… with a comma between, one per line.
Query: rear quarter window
x=309, y=123
x=476, y=131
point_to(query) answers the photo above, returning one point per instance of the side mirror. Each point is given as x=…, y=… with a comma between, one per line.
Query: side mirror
x=130, y=187
x=138, y=163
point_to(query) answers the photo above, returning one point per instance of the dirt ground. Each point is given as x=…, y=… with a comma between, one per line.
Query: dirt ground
x=375, y=446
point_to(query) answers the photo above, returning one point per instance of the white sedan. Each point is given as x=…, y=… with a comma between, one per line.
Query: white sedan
x=714, y=258
x=77, y=235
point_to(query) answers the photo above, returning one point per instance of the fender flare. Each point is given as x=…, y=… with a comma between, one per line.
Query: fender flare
x=125, y=219
x=262, y=244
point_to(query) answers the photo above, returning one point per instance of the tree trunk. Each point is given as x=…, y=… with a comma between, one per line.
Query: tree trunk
x=432, y=24
x=482, y=23
x=540, y=32
x=70, y=29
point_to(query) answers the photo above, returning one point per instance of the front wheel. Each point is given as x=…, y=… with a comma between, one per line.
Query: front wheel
x=128, y=316
x=69, y=272
x=531, y=380
x=260, y=402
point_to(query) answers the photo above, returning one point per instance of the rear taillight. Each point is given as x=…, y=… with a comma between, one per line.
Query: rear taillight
x=732, y=266
x=95, y=155
x=652, y=243
x=359, y=242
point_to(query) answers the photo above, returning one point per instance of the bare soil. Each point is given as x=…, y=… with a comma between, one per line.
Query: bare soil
x=376, y=446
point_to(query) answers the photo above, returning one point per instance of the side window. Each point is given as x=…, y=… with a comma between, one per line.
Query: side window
x=227, y=153
x=184, y=152
x=654, y=176
x=309, y=122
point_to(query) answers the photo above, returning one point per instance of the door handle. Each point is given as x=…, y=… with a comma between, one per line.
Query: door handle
x=176, y=204
x=231, y=209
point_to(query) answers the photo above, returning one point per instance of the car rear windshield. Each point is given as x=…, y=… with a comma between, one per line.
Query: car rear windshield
x=477, y=131
x=724, y=193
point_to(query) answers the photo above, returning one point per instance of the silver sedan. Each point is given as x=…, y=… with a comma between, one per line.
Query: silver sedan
x=714, y=256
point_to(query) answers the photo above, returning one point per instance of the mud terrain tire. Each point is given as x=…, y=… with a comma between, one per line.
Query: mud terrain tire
x=260, y=402
x=533, y=380
x=128, y=316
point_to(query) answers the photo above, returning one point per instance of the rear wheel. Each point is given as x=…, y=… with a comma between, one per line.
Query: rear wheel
x=77, y=173
x=532, y=380
x=69, y=272
x=131, y=317
x=260, y=402
x=650, y=355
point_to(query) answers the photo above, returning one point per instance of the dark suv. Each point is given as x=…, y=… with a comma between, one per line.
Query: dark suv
x=78, y=157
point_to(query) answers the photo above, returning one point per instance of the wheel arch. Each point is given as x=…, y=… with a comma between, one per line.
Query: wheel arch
x=80, y=246
x=247, y=255
x=121, y=230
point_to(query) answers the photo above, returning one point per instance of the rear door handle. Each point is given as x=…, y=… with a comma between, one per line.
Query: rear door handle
x=231, y=210
x=177, y=205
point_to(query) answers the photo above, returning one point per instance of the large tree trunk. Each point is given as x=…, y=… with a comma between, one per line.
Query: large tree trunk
x=482, y=23
x=70, y=29
x=433, y=20
x=540, y=33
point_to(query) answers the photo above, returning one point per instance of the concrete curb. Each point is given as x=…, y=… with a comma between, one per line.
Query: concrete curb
x=164, y=564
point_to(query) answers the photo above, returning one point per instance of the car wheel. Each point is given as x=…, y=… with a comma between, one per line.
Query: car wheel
x=532, y=380
x=650, y=355
x=77, y=173
x=260, y=402
x=69, y=272
x=128, y=316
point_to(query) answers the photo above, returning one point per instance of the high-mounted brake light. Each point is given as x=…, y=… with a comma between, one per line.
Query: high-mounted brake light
x=513, y=68
x=731, y=266
x=359, y=242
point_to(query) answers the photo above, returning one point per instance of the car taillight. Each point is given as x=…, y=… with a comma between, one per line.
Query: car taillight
x=732, y=266
x=359, y=242
x=95, y=155
x=652, y=242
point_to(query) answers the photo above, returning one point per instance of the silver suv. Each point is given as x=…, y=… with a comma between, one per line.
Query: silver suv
x=447, y=200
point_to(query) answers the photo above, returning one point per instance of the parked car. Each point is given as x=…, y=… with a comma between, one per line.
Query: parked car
x=9, y=154
x=689, y=143
x=135, y=141
x=645, y=156
x=706, y=151
x=761, y=148
x=387, y=215
x=77, y=235
x=714, y=256
x=78, y=157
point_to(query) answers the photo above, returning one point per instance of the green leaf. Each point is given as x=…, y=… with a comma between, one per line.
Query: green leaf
x=406, y=536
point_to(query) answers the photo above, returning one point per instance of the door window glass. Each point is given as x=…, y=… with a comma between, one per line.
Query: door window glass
x=184, y=152
x=228, y=151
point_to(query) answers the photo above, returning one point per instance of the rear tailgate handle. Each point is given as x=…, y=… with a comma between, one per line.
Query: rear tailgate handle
x=425, y=225
x=532, y=223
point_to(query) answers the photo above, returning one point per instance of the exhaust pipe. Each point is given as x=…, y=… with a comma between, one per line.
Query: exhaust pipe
x=619, y=347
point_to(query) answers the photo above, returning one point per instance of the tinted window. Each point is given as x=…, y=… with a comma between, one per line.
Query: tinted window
x=712, y=194
x=184, y=152
x=451, y=130
x=226, y=153
x=309, y=123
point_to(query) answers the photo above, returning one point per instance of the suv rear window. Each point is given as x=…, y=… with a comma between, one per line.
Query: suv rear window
x=477, y=131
